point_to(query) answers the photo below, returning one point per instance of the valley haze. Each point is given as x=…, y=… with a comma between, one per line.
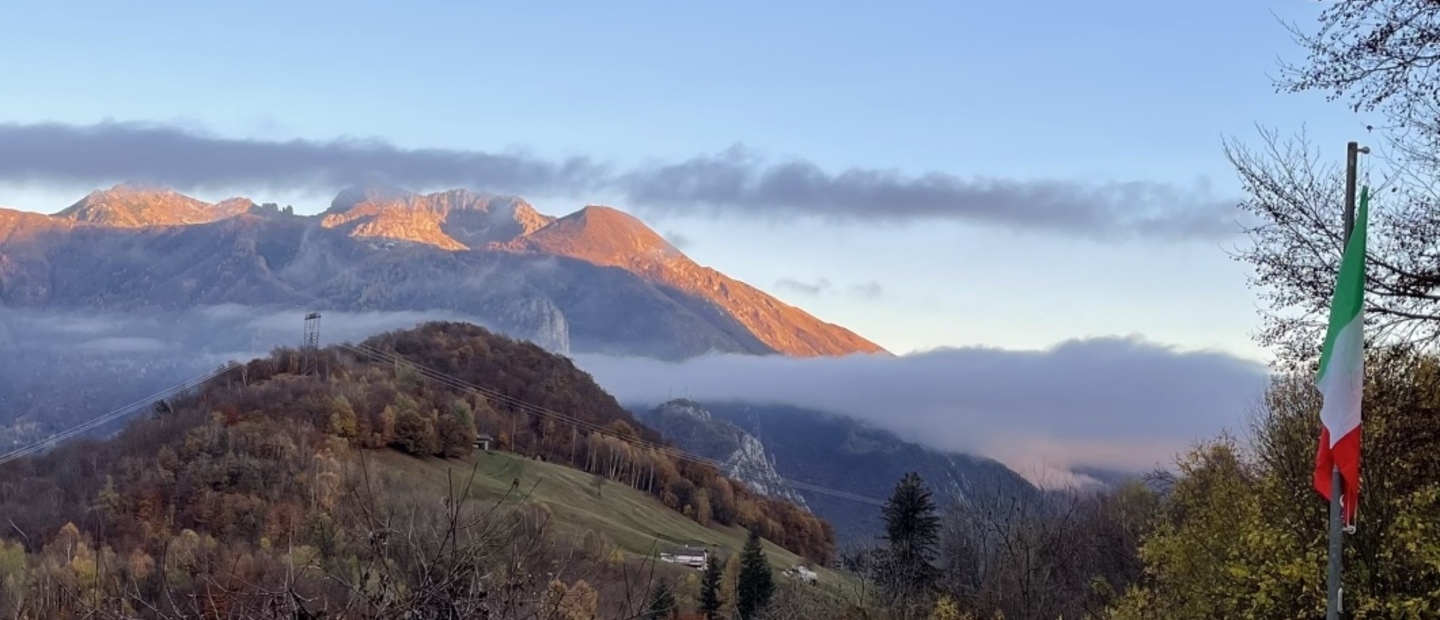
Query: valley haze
x=102, y=277
x=1116, y=403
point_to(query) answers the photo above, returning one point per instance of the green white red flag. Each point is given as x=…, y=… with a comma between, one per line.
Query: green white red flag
x=1342, y=373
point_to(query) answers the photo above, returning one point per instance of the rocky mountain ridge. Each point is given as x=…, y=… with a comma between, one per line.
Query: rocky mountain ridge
x=129, y=205
x=609, y=237
x=454, y=220
x=279, y=257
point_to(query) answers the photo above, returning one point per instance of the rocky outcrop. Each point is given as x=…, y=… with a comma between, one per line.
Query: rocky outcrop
x=740, y=454
x=454, y=220
x=537, y=319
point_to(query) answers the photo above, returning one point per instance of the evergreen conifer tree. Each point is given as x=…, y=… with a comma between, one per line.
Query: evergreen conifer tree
x=756, y=585
x=662, y=603
x=710, y=589
x=912, y=530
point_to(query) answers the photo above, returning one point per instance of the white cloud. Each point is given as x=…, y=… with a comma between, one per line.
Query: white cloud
x=1110, y=402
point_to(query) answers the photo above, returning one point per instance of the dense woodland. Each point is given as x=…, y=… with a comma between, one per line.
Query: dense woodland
x=223, y=487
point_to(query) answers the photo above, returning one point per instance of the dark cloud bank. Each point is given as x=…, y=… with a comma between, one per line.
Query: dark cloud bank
x=735, y=180
x=1113, y=403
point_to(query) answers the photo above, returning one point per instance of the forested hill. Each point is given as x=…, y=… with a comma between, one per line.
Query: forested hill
x=252, y=457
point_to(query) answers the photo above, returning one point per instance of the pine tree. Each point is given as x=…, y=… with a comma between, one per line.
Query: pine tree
x=662, y=603
x=912, y=530
x=756, y=585
x=710, y=589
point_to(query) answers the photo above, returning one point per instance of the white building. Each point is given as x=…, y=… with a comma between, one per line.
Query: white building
x=694, y=557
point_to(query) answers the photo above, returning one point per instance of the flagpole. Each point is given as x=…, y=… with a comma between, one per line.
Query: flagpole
x=1337, y=527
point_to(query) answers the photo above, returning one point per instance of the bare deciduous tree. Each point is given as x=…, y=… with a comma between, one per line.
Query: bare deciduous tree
x=1295, y=248
x=1382, y=55
x=1065, y=555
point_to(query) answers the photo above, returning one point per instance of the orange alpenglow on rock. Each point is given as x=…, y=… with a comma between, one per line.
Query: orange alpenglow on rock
x=609, y=237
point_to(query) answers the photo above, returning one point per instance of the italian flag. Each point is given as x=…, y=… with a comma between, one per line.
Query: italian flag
x=1342, y=373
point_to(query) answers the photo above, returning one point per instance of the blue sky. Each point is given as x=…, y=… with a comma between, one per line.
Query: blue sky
x=1030, y=91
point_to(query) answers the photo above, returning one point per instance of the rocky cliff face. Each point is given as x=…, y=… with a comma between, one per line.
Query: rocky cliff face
x=452, y=220
x=833, y=452
x=742, y=456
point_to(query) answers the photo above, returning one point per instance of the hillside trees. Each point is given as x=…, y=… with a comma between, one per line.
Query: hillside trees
x=662, y=603
x=377, y=551
x=252, y=475
x=1069, y=554
x=1242, y=530
x=620, y=449
x=398, y=402
x=1064, y=553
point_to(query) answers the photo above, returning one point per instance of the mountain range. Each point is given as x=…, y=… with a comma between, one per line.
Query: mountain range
x=596, y=280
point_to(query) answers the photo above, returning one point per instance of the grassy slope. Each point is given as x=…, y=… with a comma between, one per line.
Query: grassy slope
x=635, y=522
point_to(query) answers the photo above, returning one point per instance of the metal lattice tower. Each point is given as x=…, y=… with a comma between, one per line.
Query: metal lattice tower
x=309, y=353
x=312, y=331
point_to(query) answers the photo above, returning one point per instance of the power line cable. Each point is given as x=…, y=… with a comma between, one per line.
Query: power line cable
x=116, y=414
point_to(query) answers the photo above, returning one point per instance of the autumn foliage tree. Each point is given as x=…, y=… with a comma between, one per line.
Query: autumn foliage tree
x=1241, y=531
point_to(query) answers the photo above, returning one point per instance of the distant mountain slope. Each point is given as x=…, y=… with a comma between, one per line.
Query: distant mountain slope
x=841, y=453
x=597, y=280
x=561, y=303
x=605, y=236
x=744, y=457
